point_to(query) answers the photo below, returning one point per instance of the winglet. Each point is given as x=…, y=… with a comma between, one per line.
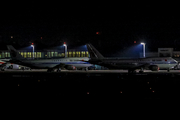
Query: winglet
x=94, y=54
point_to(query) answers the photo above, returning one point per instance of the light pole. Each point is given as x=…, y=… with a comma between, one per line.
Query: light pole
x=143, y=49
x=33, y=49
x=65, y=51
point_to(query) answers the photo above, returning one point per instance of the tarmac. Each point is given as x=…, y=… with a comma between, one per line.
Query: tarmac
x=94, y=71
x=41, y=84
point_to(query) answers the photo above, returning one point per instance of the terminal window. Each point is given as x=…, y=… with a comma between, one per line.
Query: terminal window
x=74, y=54
x=62, y=54
x=48, y=54
x=59, y=54
x=82, y=53
x=70, y=54
x=55, y=54
x=34, y=54
x=25, y=55
x=22, y=54
x=38, y=54
x=77, y=54
x=29, y=54
x=52, y=54
x=87, y=54
x=176, y=55
x=2, y=54
x=6, y=54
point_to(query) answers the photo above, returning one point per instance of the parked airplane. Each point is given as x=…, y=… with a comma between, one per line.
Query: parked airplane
x=50, y=64
x=153, y=64
x=6, y=64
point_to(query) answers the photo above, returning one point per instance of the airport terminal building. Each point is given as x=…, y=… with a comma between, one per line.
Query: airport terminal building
x=46, y=53
x=38, y=54
x=162, y=52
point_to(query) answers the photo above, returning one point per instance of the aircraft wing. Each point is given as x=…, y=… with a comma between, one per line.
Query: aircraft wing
x=15, y=61
x=145, y=66
x=5, y=60
x=61, y=65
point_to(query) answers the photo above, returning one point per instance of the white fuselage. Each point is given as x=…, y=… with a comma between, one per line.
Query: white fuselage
x=162, y=63
x=2, y=62
x=50, y=63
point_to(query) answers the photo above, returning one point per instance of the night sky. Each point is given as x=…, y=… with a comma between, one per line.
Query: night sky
x=118, y=25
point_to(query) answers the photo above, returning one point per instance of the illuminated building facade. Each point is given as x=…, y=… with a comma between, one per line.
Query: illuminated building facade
x=162, y=52
x=46, y=53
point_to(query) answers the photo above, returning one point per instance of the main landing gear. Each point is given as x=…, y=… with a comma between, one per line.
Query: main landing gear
x=52, y=70
x=86, y=69
x=2, y=68
x=59, y=70
x=133, y=71
x=141, y=71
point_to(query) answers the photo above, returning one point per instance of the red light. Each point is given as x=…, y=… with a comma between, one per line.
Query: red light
x=41, y=38
x=97, y=33
x=64, y=42
x=134, y=41
x=32, y=43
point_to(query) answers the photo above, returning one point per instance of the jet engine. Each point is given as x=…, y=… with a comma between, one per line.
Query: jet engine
x=70, y=67
x=154, y=67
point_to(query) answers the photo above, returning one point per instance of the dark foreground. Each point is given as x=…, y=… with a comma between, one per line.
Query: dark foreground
x=61, y=85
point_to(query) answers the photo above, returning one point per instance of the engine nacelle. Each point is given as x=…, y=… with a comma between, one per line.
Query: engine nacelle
x=154, y=67
x=12, y=66
x=70, y=67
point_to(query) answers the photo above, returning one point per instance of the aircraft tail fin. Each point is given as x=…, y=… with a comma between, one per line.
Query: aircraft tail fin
x=94, y=54
x=14, y=53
